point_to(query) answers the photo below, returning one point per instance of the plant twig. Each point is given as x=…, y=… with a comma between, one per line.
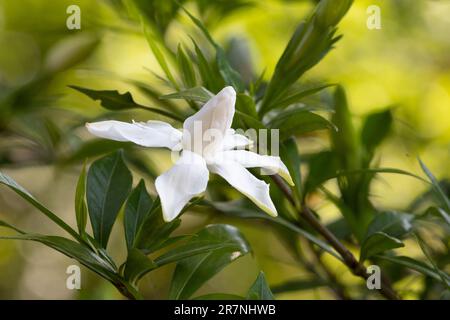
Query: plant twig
x=337, y=287
x=349, y=259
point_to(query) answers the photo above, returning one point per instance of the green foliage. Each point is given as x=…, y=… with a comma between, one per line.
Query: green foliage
x=260, y=289
x=137, y=208
x=113, y=100
x=108, y=184
x=298, y=121
x=375, y=129
x=195, y=94
x=242, y=211
x=384, y=232
x=10, y=183
x=191, y=273
x=81, y=211
x=311, y=41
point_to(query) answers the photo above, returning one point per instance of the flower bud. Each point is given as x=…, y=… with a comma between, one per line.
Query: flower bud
x=330, y=12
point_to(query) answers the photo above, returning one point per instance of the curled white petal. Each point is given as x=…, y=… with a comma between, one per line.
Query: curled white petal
x=185, y=180
x=241, y=179
x=250, y=159
x=147, y=134
x=216, y=115
x=235, y=140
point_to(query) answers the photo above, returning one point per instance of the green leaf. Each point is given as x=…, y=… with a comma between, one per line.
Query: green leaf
x=9, y=226
x=199, y=94
x=108, y=184
x=155, y=232
x=438, y=212
x=309, y=44
x=423, y=246
x=414, y=264
x=393, y=223
x=158, y=14
x=378, y=170
x=159, y=55
x=137, y=265
x=234, y=209
x=137, y=208
x=209, y=75
x=113, y=100
x=297, y=95
x=249, y=121
x=260, y=289
x=229, y=75
x=246, y=104
x=197, y=245
x=185, y=68
x=10, y=183
x=376, y=128
x=73, y=250
x=298, y=121
x=322, y=167
x=436, y=187
x=383, y=233
x=330, y=12
x=110, y=99
x=377, y=243
x=191, y=273
x=291, y=158
x=344, y=139
x=80, y=202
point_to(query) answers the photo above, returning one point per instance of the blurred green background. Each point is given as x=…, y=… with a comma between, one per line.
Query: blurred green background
x=406, y=64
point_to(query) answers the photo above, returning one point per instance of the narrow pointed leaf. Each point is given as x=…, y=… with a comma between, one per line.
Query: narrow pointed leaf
x=137, y=208
x=298, y=121
x=115, y=101
x=377, y=243
x=80, y=202
x=185, y=68
x=416, y=265
x=436, y=187
x=198, y=94
x=297, y=95
x=137, y=265
x=191, y=273
x=155, y=232
x=73, y=250
x=260, y=289
x=10, y=183
x=159, y=55
x=384, y=231
x=108, y=184
x=375, y=129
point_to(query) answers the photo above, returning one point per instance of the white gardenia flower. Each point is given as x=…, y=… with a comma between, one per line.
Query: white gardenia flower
x=207, y=144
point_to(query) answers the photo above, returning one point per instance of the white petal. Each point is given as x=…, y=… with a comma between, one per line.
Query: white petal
x=147, y=134
x=186, y=179
x=235, y=140
x=216, y=115
x=241, y=179
x=250, y=159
